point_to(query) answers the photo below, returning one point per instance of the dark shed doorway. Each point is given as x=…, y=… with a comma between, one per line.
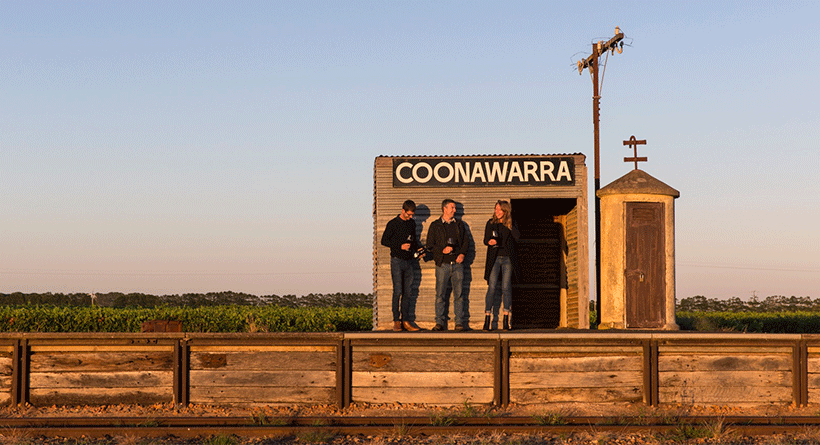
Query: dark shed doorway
x=536, y=301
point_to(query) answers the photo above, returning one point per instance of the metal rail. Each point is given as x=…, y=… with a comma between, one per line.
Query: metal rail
x=189, y=427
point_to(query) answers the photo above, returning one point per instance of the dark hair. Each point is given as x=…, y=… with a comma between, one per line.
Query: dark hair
x=445, y=202
x=409, y=206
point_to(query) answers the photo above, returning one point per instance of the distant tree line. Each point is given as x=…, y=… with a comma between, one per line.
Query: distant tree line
x=139, y=300
x=698, y=303
x=774, y=303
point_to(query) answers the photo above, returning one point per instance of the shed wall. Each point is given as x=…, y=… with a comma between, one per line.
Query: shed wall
x=475, y=205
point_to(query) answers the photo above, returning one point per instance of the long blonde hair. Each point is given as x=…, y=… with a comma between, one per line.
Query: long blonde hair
x=507, y=209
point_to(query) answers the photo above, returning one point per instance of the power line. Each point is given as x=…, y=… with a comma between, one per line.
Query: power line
x=168, y=274
x=746, y=267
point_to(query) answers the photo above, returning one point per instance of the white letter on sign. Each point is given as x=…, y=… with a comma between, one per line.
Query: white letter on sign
x=438, y=176
x=515, y=170
x=478, y=172
x=495, y=171
x=546, y=170
x=462, y=171
x=401, y=178
x=563, y=170
x=416, y=172
x=530, y=168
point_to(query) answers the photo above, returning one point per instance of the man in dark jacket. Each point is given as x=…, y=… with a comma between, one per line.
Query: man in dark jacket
x=400, y=237
x=447, y=238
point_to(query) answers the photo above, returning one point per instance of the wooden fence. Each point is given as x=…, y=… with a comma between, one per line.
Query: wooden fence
x=426, y=368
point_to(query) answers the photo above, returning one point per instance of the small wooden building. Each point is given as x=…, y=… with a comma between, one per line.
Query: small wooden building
x=548, y=194
x=638, y=253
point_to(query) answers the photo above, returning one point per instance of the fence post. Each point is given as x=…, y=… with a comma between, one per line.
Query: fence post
x=505, y=372
x=497, y=373
x=20, y=372
x=341, y=382
x=15, y=373
x=800, y=375
x=182, y=372
x=344, y=373
x=650, y=372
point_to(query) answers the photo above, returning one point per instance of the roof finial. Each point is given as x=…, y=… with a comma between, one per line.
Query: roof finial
x=633, y=143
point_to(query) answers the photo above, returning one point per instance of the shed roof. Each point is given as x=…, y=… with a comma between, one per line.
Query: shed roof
x=638, y=181
x=482, y=155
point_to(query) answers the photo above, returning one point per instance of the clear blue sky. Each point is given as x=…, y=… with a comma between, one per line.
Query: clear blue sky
x=168, y=147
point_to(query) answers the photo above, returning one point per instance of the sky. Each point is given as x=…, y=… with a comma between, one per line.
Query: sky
x=167, y=147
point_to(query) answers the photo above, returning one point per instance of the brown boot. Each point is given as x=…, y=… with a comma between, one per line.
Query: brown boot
x=410, y=326
x=397, y=326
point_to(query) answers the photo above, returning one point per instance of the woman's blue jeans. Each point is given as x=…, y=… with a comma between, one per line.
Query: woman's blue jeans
x=501, y=269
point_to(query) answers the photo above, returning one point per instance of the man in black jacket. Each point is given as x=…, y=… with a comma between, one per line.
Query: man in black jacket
x=447, y=238
x=400, y=237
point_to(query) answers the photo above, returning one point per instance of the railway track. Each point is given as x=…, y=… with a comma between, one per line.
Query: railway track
x=191, y=427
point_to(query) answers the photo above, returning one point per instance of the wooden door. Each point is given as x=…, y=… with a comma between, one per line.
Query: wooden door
x=645, y=265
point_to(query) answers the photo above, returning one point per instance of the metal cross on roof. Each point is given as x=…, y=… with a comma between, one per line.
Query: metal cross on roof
x=633, y=143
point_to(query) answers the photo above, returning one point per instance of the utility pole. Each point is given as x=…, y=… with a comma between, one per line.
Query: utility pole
x=598, y=48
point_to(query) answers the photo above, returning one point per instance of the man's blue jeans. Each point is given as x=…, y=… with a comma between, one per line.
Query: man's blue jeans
x=501, y=268
x=404, y=303
x=453, y=274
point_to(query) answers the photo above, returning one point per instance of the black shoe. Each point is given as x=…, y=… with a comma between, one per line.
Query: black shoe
x=462, y=327
x=506, y=322
x=486, y=323
x=439, y=327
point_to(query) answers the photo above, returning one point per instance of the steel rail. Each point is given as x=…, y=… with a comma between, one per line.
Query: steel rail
x=186, y=421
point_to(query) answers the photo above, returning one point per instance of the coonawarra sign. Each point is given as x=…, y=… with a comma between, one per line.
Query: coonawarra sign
x=457, y=172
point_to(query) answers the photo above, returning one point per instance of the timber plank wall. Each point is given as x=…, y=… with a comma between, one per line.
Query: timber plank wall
x=424, y=368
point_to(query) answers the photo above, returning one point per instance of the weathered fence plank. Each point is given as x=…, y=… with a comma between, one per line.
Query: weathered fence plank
x=726, y=362
x=6, y=373
x=420, y=361
x=100, y=396
x=261, y=395
x=580, y=395
x=563, y=379
x=710, y=395
x=529, y=363
x=431, y=396
x=126, y=379
x=422, y=379
x=735, y=378
x=264, y=378
x=227, y=360
x=723, y=348
x=814, y=364
x=108, y=361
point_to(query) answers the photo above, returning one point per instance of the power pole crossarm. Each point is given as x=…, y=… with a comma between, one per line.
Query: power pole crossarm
x=600, y=48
